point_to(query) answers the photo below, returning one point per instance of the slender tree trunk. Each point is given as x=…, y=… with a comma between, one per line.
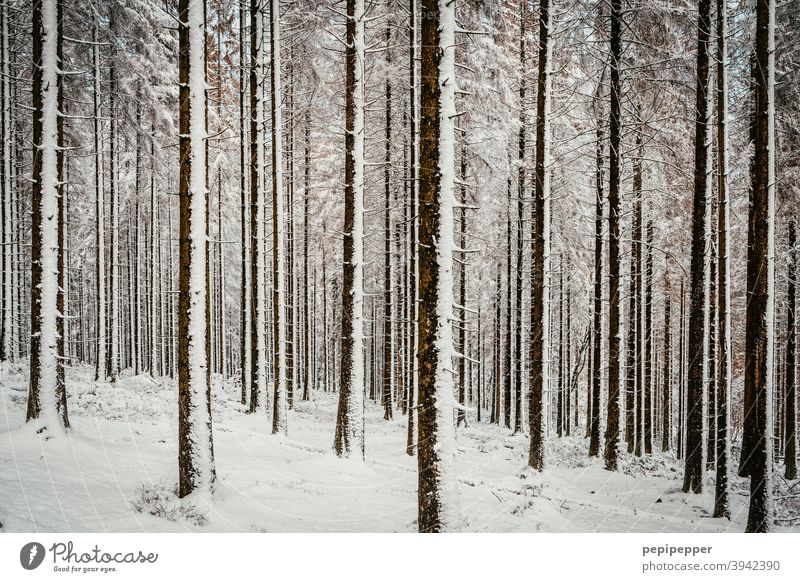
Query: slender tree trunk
x=349, y=438
x=540, y=348
x=649, y=376
x=615, y=131
x=593, y=403
x=99, y=189
x=279, y=374
x=387, y=388
x=693, y=477
x=521, y=184
x=413, y=227
x=723, y=371
x=259, y=398
x=308, y=368
x=666, y=398
x=508, y=354
x=790, y=436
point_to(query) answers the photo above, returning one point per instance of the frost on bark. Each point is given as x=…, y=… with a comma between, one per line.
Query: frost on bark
x=281, y=402
x=790, y=435
x=615, y=127
x=438, y=488
x=47, y=402
x=723, y=370
x=593, y=405
x=540, y=350
x=259, y=398
x=195, y=446
x=349, y=437
x=756, y=459
x=693, y=475
x=100, y=220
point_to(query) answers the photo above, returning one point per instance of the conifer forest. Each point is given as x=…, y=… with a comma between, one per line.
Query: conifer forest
x=399, y=265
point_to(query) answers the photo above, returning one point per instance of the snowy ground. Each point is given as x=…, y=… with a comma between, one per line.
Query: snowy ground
x=121, y=454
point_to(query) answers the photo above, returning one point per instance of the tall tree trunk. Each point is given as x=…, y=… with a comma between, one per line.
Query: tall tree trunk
x=279, y=374
x=693, y=476
x=47, y=405
x=521, y=184
x=711, y=390
x=615, y=132
x=387, y=385
x=413, y=267
x=461, y=415
x=756, y=459
x=508, y=354
x=666, y=398
x=99, y=189
x=259, y=398
x=308, y=368
x=7, y=337
x=540, y=348
x=349, y=438
x=245, y=325
x=437, y=495
x=195, y=443
x=593, y=404
x=790, y=438
x=115, y=334
x=723, y=371
x=637, y=297
x=649, y=376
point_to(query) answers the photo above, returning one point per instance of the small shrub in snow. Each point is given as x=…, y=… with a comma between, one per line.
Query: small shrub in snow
x=160, y=500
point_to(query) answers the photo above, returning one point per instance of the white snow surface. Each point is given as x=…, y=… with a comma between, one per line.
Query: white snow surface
x=123, y=442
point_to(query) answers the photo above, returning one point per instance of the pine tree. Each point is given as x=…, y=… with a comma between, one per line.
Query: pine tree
x=615, y=132
x=195, y=443
x=437, y=494
x=349, y=438
x=279, y=369
x=693, y=476
x=47, y=403
x=540, y=349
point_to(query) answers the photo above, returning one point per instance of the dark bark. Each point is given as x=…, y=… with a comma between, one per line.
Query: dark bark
x=539, y=380
x=790, y=438
x=615, y=129
x=693, y=476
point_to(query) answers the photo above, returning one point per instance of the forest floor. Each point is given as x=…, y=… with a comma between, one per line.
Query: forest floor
x=117, y=469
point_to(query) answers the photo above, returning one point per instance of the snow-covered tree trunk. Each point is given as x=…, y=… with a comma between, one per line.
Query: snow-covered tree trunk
x=413, y=195
x=195, y=442
x=693, y=476
x=7, y=325
x=47, y=405
x=280, y=407
x=100, y=216
x=114, y=304
x=349, y=438
x=757, y=445
x=438, y=487
x=388, y=272
x=540, y=329
x=245, y=295
x=593, y=403
x=790, y=436
x=614, y=165
x=723, y=371
x=259, y=398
